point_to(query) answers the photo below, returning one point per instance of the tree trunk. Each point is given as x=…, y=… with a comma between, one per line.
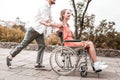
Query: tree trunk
x=75, y=21
x=82, y=21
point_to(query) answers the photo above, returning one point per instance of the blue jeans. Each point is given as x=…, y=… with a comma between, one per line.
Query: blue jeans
x=31, y=35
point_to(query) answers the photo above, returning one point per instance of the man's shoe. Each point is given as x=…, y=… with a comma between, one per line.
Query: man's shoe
x=97, y=66
x=39, y=66
x=8, y=61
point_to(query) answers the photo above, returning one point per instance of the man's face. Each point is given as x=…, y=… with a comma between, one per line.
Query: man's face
x=52, y=1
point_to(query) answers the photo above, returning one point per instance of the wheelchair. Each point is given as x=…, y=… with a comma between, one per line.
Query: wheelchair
x=65, y=60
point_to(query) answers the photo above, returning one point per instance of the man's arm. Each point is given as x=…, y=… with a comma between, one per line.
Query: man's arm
x=52, y=24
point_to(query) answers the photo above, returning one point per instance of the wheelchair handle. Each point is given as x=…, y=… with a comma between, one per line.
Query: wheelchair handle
x=72, y=40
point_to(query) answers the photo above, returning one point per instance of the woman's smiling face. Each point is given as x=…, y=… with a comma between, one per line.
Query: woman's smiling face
x=67, y=15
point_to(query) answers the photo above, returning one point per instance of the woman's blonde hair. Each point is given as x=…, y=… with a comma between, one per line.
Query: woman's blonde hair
x=62, y=13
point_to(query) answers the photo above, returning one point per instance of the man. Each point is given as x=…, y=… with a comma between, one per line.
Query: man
x=35, y=31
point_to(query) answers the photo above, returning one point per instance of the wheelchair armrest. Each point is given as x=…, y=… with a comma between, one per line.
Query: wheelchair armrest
x=72, y=40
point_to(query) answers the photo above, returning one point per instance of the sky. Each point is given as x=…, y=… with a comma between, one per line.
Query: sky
x=103, y=9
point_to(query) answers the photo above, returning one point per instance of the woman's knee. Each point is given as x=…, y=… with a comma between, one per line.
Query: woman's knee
x=90, y=43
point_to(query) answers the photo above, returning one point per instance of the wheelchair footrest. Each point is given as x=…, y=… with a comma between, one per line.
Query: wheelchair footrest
x=97, y=71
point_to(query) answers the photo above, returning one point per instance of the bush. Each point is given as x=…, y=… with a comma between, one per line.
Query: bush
x=11, y=34
x=53, y=39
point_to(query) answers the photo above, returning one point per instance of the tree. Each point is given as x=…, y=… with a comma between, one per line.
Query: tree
x=79, y=16
x=105, y=34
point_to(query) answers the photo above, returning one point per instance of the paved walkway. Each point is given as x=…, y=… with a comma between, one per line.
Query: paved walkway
x=23, y=68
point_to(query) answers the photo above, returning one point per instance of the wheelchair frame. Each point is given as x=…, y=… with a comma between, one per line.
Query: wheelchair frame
x=64, y=60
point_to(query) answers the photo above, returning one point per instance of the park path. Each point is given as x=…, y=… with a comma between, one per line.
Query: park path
x=23, y=68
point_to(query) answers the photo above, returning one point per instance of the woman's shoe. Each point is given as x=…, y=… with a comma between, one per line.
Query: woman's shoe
x=97, y=66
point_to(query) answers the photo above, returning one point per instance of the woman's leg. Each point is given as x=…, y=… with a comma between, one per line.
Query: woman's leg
x=98, y=66
x=91, y=50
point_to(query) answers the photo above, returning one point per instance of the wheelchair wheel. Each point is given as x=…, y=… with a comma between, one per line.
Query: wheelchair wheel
x=84, y=68
x=83, y=73
x=63, y=60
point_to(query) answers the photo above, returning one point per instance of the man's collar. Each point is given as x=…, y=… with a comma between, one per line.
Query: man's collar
x=48, y=3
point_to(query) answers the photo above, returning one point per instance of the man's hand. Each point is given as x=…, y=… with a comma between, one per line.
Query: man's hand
x=46, y=23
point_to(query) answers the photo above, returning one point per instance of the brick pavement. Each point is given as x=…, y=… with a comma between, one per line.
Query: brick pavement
x=23, y=68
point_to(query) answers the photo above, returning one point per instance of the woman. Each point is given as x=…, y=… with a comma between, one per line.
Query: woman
x=64, y=17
